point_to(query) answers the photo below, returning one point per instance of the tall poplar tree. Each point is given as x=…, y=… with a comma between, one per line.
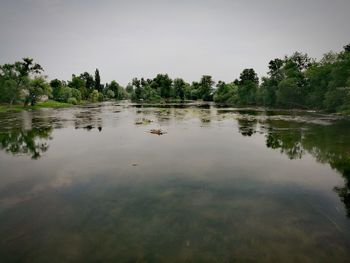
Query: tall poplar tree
x=98, y=81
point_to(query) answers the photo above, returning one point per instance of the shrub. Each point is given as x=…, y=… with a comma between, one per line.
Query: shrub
x=110, y=94
x=226, y=93
x=72, y=100
x=64, y=94
x=337, y=99
x=100, y=97
x=94, y=96
x=76, y=94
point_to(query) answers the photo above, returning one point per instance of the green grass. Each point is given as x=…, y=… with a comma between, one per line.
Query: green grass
x=39, y=105
x=53, y=104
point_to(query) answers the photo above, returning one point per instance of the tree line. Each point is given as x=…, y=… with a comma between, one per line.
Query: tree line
x=24, y=82
x=295, y=81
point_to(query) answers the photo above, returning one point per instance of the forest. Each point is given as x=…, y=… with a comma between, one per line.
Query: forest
x=292, y=82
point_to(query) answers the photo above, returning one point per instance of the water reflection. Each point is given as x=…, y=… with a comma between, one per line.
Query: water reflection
x=31, y=142
x=292, y=133
x=29, y=132
x=247, y=126
x=88, y=118
x=326, y=143
x=26, y=133
x=218, y=187
x=288, y=142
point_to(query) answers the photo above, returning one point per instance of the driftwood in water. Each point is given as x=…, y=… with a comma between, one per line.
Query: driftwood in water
x=157, y=131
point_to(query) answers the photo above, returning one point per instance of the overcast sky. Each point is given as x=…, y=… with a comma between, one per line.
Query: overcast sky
x=184, y=38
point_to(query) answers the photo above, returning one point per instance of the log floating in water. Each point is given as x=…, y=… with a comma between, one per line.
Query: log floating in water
x=157, y=131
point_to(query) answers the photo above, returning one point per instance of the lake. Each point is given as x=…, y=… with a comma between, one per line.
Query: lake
x=93, y=184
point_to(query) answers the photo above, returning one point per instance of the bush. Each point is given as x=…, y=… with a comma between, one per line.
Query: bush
x=72, y=100
x=8, y=91
x=63, y=94
x=110, y=94
x=226, y=93
x=337, y=99
x=289, y=93
x=76, y=94
x=100, y=97
x=94, y=96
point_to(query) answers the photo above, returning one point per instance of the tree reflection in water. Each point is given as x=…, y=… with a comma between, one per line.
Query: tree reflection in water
x=246, y=126
x=31, y=142
x=288, y=142
x=326, y=143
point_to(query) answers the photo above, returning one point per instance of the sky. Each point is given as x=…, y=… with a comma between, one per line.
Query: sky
x=184, y=38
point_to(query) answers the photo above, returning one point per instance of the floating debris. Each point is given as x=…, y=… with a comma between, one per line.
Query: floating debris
x=143, y=121
x=157, y=131
x=134, y=164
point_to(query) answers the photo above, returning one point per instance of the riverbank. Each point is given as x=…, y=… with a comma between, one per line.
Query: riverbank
x=56, y=104
x=39, y=105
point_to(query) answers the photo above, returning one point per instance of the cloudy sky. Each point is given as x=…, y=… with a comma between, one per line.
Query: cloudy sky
x=184, y=38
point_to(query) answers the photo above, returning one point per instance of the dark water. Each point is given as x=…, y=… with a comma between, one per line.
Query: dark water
x=92, y=184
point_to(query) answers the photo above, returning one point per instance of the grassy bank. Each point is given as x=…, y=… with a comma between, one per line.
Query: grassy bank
x=39, y=105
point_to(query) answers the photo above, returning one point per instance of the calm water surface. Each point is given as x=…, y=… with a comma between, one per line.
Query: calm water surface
x=92, y=184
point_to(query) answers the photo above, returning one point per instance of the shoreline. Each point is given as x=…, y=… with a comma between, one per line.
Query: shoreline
x=51, y=104
x=40, y=105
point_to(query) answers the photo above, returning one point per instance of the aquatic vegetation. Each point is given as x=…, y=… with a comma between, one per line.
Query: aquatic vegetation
x=157, y=131
x=143, y=121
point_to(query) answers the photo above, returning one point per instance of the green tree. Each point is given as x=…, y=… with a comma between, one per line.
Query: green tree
x=9, y=91
x=337, y=99
x=179, y=88
x=248, y=75
x=117, y=89
x=37, y=88
x=16, y=77
x=268, y=92
x=89, y=81
x=94, y=96
x=226, y=93
x=288, y=93
x=79, y=83
x=247, y=88
x=56, y=86
x=275, y=68
x=129, y=89
x=138, y=89
x=303, y=61
x=110, y=94
x=97, y=82
x=293, y=89
x=195, y=91
x=162, y=83
x=76, y=94
x=319, y=77
x=206, y=88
